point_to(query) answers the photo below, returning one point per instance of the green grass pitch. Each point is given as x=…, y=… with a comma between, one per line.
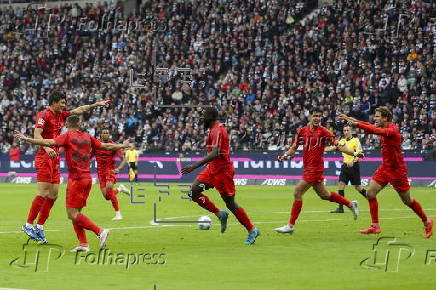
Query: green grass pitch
x=325, y=251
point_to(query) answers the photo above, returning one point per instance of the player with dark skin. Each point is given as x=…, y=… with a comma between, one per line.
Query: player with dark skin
x=219, y=175
x=197, y=186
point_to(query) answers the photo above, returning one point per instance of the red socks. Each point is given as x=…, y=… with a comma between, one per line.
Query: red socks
x=112, y=195
x=243, y=218
x=35, y=208
x=334, y=197
x=81, y=234
x=373, y=209
x=295, y=212
x=418, y=210
x=84, y=222
x=205, y=203
x=45, y=210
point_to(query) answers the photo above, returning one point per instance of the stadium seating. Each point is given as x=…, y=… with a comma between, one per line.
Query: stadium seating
x=256, y=60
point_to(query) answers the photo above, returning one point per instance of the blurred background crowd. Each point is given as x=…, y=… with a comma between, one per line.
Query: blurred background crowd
x=264, y=64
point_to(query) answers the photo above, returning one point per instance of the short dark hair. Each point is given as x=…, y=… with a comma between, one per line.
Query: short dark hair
x=105, y=128
x=55, y=97
x=212, y=112
x=73, y=121
x=384, y=112
x=315, y=110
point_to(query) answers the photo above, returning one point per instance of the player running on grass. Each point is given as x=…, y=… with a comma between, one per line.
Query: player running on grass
x=393, y=169
x=48, y=125
x=219, y=174
x=314, y=139
x=79, y=147
x=107, y=174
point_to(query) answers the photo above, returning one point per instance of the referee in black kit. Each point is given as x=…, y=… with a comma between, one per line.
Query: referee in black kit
x=350, y=170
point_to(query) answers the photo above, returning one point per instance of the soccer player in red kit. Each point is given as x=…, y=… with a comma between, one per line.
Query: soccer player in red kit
x=79, y=147
x=219, y=174
x=393, y=169
x=314, y=139
x=48, y=125
x=106, y=174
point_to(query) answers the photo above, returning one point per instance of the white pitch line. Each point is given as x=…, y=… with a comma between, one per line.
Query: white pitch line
x=12, y=289
x=361, y=210
x=232, y=224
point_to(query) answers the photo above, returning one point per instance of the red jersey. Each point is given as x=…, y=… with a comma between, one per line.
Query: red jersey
x=78, y=151
x=314, y=141
x=106, y=159
x=51, y=125
x=390, y=142
x=218, y=137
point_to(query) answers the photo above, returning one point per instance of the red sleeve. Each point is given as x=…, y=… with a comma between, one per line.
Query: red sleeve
x=330, y=139
x=66, y=114
x=217, y=137
x=95, y=143
x=40, y=120
x=120, y=154
x=374, y=130
x=61, y=140
x=297, y=138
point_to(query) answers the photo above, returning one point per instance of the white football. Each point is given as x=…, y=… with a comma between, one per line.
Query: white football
x=205, y=223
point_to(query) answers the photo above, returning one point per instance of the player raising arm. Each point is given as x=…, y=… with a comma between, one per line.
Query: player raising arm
x=314, y=139
x=107, y=174
x=48, y=125
x=78, y=151
x=219, y=174
x=393, y=169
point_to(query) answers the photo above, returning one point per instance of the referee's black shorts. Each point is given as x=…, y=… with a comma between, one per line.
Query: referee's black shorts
x=350, y=174
x=132, y=165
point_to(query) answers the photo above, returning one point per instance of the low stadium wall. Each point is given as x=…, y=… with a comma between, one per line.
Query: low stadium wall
x=251, y=169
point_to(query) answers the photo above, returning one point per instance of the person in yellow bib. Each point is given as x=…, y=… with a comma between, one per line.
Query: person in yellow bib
x=350, y=170
x=132, y=156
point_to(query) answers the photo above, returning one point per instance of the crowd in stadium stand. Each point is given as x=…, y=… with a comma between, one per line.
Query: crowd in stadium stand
x=263, y=63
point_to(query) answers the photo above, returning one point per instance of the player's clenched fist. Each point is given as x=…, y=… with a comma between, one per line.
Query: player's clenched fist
x=187, y=170
x=284, y=157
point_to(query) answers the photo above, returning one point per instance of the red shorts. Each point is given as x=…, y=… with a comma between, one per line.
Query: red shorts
x=104, y=178
x=398, y=178
x=222, y=180
x=313, y=176
x=47, y=169
x=78, y=192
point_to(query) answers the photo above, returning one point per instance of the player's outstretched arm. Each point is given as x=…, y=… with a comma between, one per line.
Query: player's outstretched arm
x=288, y=154
x=330, y=148
x=113, y=146
x=86, y=108
x=211, y=156
x=42, y=142
x=37, y=135
x=367, y=127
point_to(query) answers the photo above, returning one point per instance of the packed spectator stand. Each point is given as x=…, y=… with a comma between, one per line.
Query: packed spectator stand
x=264, y=64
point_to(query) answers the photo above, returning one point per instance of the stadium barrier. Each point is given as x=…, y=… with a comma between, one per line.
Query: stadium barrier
x=251, y=169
